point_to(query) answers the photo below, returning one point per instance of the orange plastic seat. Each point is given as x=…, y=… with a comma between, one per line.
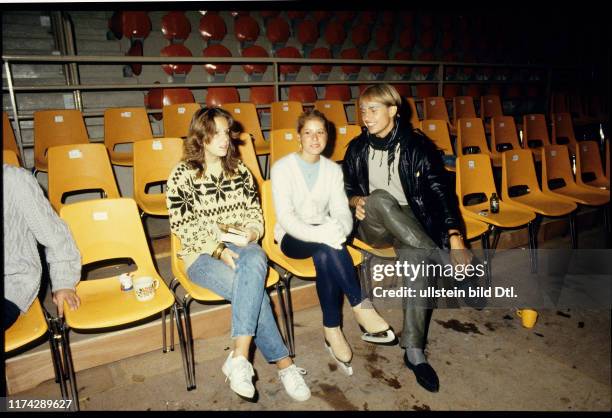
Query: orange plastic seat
x=9, y=157
x=8, y=136
x=177, y=118
x=154, y=159
x=449, y=91
x=217, y=50
x=79, y=168
x=283, y=142
x=535, y=133
x=435, y=108
x=437, y=131
x=423, y=91
x=29, y=327
x=56, y=127
x=124, y=125
x=217, y=96
x=212, y=27
x=176, y=50
x=333, y=111
x=344, y=135
x=563, y=130
x=246, y=153
x=471, y=138
x=285, y=114
x=503, y=137
x=302, y=94
x=589, y=170
x=158, y=98
x=175, y=26
x=474, y=91
x=490, y=107
x=463, y=107
x=246, y=115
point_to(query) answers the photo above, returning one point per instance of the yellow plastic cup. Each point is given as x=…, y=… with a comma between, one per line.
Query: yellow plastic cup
x=528, y=317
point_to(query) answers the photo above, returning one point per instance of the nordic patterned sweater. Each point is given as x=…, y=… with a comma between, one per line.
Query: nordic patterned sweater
x=196, y=205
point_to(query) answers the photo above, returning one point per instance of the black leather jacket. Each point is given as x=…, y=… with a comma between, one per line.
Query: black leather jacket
x=425, y=181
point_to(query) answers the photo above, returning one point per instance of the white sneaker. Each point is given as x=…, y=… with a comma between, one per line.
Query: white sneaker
x=240, y=373
x=294, y=382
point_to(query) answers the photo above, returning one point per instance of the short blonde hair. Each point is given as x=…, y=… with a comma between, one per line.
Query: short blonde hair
x=383, y=93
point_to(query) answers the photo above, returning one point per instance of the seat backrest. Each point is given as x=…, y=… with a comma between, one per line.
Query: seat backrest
x=56, y=127
x=563, y=129
x=107, y=229
x=474, y=176
x=503, y=135
x=435, y=108
x=267, y=207
x=217, y=96
x=217, y=50
x=154, y=159
x=333, y=111
x=285, y=114
x=288, y=52
x=177, y=118
x=340, y=92
x=8, y=136
x=437, y=131
x=535, y=131
x=9, y=157
x=246, y=153
x=283, y=142
x=556, y=166
x=125, y=124
x=518, y=170
x=28, y=327
x=78, y=167
x=302, y=94
x=261, y=95
x=490, y=106
x=471, y=134
x=463, y=107
x=212, y=26
x=414, y=117
x=176, y=50
x=246, y=29
x=344, y=135
x=588, y=160
x=246, y=115
x=254, y=51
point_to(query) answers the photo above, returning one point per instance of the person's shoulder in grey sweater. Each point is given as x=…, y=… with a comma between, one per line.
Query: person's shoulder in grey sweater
x=28, y=219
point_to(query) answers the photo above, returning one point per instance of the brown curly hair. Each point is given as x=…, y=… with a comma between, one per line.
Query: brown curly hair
x=201, y=130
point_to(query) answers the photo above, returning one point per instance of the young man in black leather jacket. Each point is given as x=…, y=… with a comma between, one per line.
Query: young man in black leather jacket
x=402, y=195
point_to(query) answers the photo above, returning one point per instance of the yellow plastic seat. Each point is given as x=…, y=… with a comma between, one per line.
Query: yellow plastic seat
x=177, y=118
x=558, y=179
x=435, y=108
x=437, y=131
x=333, y=111
x=284, y=115
x=79, y=167
x=463, y=107
x=563, y=131
x=303, y=268
x=154, y=159
x=199, y=293
x=474, y=228
x=535, y=133
x=283, y=142
x=246, y=115
x=9, y=157
x=588, y=162
x=471, y=138
x=344, y=135
x=246, y=153
x=29, y=327
x=490, y=107
x=8, y=136
x=124, y=125
x=503, y=137
x=414, y=119
x=54, y=128
x=109, y=229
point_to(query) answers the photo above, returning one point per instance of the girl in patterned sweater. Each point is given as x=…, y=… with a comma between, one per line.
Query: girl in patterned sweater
x=210, y=186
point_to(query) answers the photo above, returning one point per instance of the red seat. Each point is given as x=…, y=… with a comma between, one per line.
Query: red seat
x=377, y=55
x=447, y=41
x=296, y=14
x=406, y=38
x=388, y=18
x=217, y=96
x=289, y=52
x=212, y=27
x=449, y=69
x=494, y=89
x=426, y=90
x=367, y=18
x=246, y=29
x=451, y=90
x=427, y=39
x=158, y=98
x=277, y=30
x=340, y=92
x=321, y=15
x=176, y=50
x=474, y=90
x=404, y=90
x=426, y=69
x=217, y=50
x=335, y=35
x=303, y=94
x=308, y=32
x=360, y=35
x=468, y=57
x=402, y=69
x=175, y=26
x=533, y=90
x=351, y=53
x=261, y=95
x=132, y=25
x=319, y=69
x=407, y=18
x=345, y=16
x=135, y=51
x=513, y=91
x=384, y=37
x=254, y=52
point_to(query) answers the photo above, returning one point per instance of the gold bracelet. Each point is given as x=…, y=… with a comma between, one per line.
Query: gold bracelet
x=216, y=254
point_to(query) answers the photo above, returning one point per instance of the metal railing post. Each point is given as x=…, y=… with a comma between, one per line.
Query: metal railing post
x=9, y=80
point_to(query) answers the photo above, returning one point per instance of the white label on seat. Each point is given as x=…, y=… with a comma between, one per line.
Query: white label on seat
x=288, y=136
x=584, y=148
x=502, y=124
x=181, y=110
x=432, y=127
x=489, y=101
x=285, y=108
x=157, y=145
x=468, y=124
x=342, y=130
x=515, y=157
x=471, y=164
x=462, y=101
x=126, y=114
x=532, y=117
x=553, y=153
x=58, y=119
x=100, y=216
x=326, y=105
x=237, y=110
x=432, y=102
x=75, y=153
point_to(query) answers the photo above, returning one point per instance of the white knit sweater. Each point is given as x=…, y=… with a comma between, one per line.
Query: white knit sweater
x=298, y=208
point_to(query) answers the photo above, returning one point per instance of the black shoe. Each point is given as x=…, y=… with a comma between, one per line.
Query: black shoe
x=425, y=375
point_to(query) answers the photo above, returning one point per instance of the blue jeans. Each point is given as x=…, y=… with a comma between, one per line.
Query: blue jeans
x=245, y=289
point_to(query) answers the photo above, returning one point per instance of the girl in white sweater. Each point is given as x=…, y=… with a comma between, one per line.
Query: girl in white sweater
x=314, y=220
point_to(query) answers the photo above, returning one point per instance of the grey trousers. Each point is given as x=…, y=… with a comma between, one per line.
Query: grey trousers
x=387, y=223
